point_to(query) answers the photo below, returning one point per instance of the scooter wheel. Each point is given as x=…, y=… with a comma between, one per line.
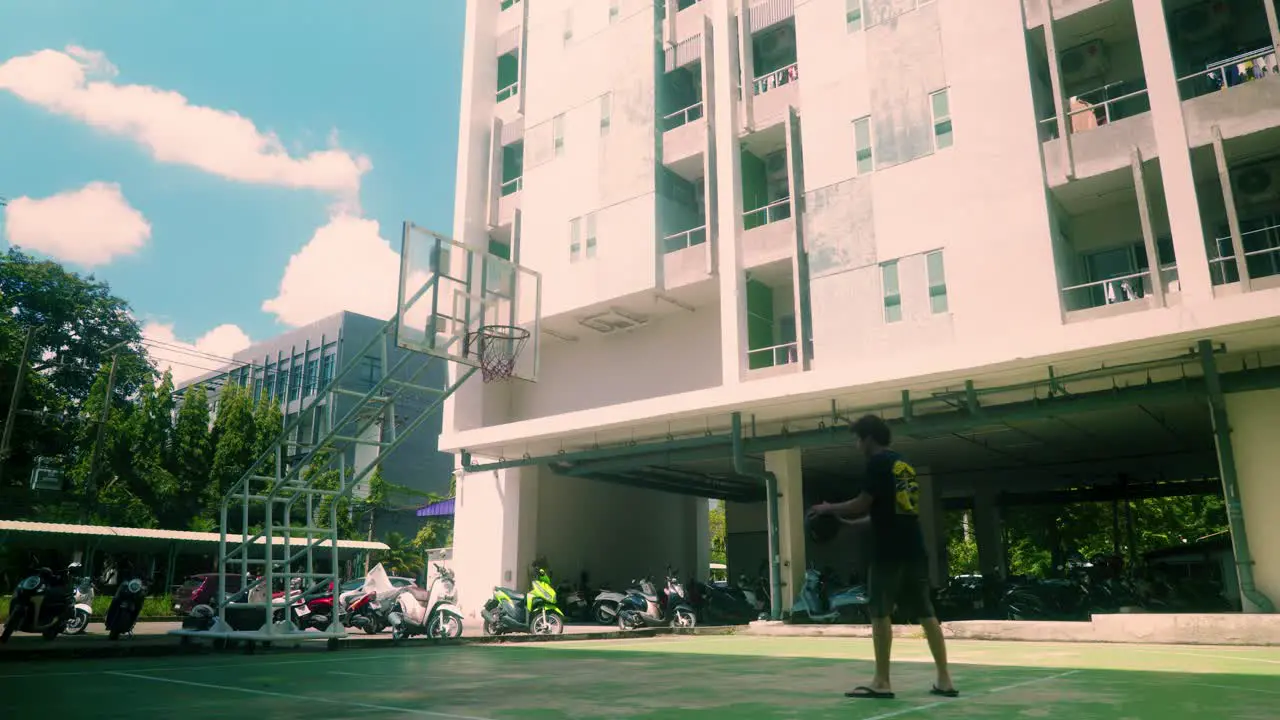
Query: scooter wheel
x=684, y=619
x=623, y=625
x=490, y=628
x=603, y=616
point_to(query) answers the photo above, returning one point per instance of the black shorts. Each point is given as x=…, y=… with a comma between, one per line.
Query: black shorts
x=899, y=584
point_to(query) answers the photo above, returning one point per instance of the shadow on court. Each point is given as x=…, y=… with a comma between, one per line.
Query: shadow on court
x=696, y=678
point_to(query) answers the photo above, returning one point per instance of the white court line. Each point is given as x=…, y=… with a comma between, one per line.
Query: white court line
x=290, y=696
x=1204, y=655
x=930, y=706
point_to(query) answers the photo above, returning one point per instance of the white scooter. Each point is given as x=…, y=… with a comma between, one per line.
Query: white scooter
x=432, y=612
x=84, y=594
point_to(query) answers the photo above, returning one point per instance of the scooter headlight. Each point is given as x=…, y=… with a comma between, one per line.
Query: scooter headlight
x=134, y=586
x=30, y=584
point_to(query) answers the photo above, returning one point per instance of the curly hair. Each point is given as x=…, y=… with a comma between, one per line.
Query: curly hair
x=874, y=427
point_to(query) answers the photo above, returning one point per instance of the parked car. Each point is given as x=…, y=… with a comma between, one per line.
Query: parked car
x=200, y=590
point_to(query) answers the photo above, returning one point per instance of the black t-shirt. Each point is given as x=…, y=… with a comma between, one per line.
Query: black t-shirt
x=895, y=508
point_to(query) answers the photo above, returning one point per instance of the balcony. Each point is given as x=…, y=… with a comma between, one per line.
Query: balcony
x=508, y=86
x=509, y=91
x=774, y=85
x=1253, y=170
x=1261, y=253
x=1104, y=267
x=684, y=246
x=1108, y=110
x=684, y=125
x=773, y=347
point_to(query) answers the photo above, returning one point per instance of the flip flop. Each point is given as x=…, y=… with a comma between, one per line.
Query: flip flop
x=935, y=690
x=862, y=691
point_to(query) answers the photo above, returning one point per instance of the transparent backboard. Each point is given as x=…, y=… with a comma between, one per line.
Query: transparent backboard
x=448, y=290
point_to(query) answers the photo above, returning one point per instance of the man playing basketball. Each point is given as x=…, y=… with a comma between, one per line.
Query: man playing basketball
x=899, y=571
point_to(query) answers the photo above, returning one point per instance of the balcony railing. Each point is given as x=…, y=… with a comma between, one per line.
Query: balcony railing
x=1096, y=108
x=682, y=117
x=511, y=187
x=1223, y=74
x=781, y=76
x=684, y=239
x=1116, y=290
x=1223, y=270
x=771, y=213
x=784, y=354
x=509, y=91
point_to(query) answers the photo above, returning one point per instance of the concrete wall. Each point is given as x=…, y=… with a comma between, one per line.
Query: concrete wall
x=1254, y=417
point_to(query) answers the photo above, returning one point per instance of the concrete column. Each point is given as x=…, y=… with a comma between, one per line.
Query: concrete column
x=989, y=531
x=1254, y=416
x=728, y=170
x=785, y=464
x=931, y=522
x=495, y=532
x=1175, y=157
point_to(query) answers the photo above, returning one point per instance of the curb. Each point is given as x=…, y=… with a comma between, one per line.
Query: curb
x=166, y=646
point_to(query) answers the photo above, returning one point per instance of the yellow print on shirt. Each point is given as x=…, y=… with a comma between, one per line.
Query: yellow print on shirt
x=906, y=489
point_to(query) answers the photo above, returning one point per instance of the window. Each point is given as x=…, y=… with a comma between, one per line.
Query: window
x=575, y=241
x=941, y=120
x=326, y=369
x=557, y=134
x=568, y=26
x=937, y=282
x=309, y=380
x=853, y=15
x=892, y=298
x=591, y=235
x=606, y=113
x=614, y=9
x=295, y=380
x=862, y=141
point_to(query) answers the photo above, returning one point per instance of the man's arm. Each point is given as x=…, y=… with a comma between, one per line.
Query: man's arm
x=849, y=509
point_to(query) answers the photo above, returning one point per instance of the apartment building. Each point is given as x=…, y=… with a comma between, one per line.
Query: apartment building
x=296, y=370
x=756, y=219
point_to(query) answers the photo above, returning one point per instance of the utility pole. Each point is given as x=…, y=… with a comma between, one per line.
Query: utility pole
x=90, y=482
x=17, y=395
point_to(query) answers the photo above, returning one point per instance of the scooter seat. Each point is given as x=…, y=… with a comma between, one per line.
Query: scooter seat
x=417, y=593
x=517, y=596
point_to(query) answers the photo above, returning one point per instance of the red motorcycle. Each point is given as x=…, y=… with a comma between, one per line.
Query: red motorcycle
x=364, y=612
x=313, y=608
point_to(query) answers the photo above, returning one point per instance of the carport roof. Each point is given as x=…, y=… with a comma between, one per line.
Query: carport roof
x=134, y=536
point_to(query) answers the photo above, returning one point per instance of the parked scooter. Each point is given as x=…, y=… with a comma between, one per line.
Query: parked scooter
x=814, y=604
x=361, y=611
x=83, y=599
x=314, y=608
x=42, y=603
x=604, y=609
x=432, y=612
x=535, y=612
x=644, y=608
x=125, y=607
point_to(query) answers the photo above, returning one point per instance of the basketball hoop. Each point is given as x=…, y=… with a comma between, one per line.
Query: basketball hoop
x=497, y=346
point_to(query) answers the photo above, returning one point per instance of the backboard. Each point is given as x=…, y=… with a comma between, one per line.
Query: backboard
x=448, y=290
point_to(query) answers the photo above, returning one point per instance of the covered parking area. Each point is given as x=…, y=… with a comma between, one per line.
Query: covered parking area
x=164, y=552
x=1185, y=417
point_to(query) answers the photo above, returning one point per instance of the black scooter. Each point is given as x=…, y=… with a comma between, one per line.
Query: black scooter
x=125, y=607
x=643, y=608
x=42, y=603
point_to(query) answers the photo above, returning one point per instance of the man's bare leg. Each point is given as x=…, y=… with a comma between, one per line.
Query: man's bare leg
x=882, y=642
x=937, y=646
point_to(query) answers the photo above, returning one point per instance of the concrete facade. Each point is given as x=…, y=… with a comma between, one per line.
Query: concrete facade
x=782, y=209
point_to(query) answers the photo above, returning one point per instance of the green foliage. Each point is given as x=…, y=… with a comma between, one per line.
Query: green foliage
x=191, y=457
x=717, y=519
x=234, y=442
x=402, y=557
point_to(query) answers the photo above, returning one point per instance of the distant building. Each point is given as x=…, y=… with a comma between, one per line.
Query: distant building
x=293, y=367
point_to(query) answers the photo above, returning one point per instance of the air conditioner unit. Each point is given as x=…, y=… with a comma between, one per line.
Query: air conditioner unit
x=1203, y=21
x=1084, y=61
x=1257, y=184
x=613, y=320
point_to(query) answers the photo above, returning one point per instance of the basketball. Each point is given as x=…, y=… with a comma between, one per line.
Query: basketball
x=822, y=528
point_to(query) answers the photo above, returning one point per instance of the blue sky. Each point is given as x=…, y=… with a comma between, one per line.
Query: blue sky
x=177, y=205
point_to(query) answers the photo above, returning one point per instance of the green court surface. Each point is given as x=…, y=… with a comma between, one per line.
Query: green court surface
x=673, y=677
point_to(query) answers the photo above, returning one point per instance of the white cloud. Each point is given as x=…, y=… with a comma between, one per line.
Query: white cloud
x=191, y=360
x=346, y=265
x=78, y=83
x=90, y=226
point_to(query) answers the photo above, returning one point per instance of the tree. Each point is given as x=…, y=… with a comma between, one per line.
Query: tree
x=78, y=320
x=401, y=557
x=102, y=476
x=268, y=421
x=234, y=442
x=717, y=519
x=191, y=458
